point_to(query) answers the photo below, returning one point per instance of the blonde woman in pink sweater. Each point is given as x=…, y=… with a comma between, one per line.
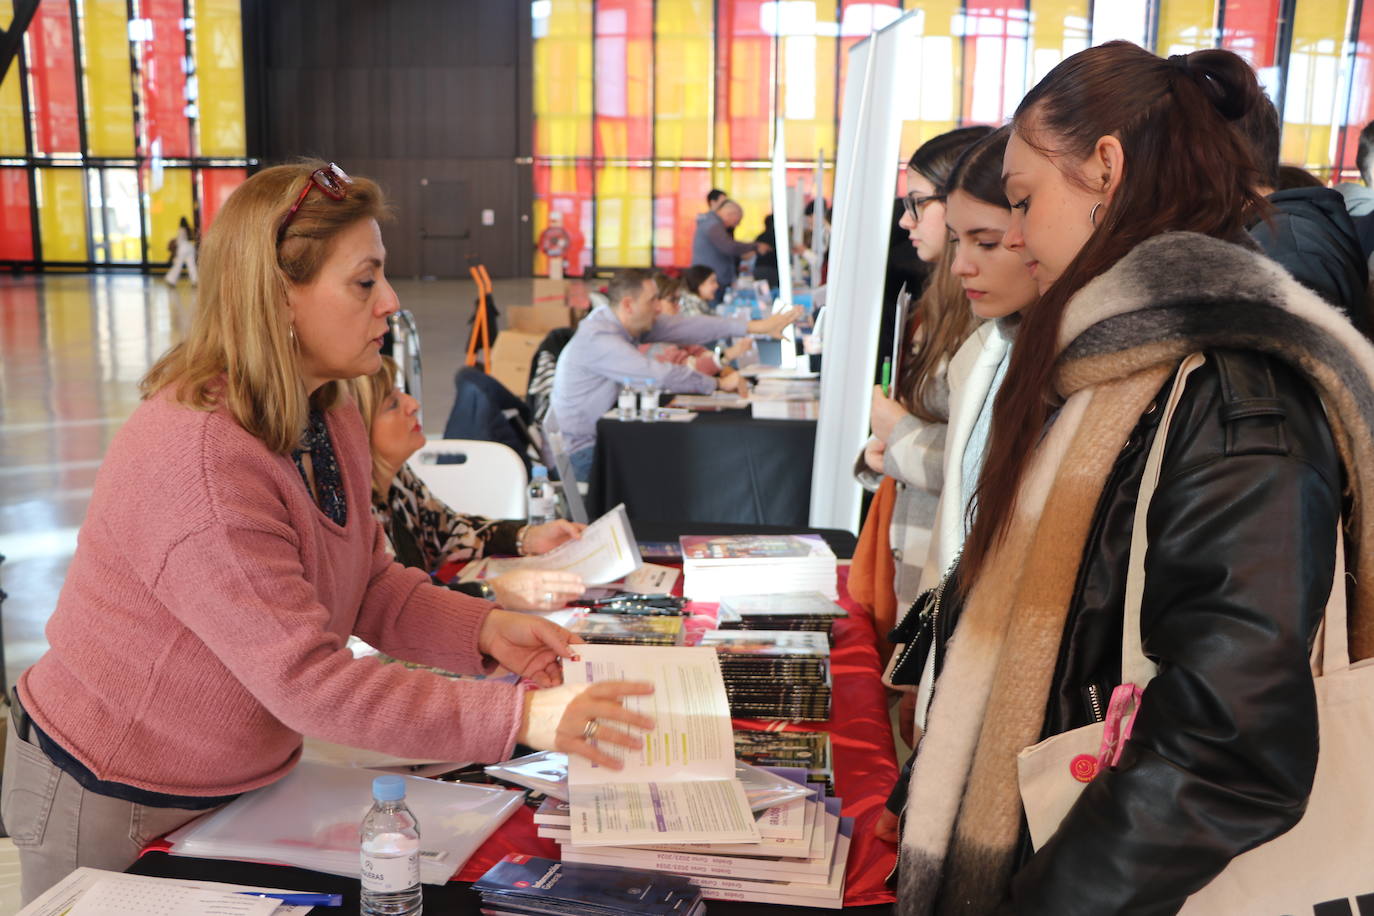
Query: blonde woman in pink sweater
x=229, y=551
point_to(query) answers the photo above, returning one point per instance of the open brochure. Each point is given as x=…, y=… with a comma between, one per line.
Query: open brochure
x=606, y=552
x=87, y=891
x=680, y=787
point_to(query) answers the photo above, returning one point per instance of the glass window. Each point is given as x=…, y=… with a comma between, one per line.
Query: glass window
x=679, y=198
x=62, y=214
x=563, y=78
x=565, y=190
x=116, y=236
x=1185, y=25
x=1360, y=109
x=16, y=232
x=107, y=84
x=744, y=93
x=11, y=104
x=215, y=187
x=807, y=76
x=168, y=196
x=684, y=73
x=1312, y=106
x=624, y=55
x=935, y=107
x=995, y=35
x=624, y=216
x=218, y=43
x=162, y=71
x=52, y=79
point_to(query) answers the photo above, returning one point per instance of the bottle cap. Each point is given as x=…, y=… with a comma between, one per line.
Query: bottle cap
x=388, y=788
x=540, y=471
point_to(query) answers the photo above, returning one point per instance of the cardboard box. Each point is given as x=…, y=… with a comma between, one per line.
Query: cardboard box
x=511, y=357
x=538, y=319
x=549, y=291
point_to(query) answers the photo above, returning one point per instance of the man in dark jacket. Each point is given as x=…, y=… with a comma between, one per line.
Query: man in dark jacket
x=713, y=246
x=1310, y=234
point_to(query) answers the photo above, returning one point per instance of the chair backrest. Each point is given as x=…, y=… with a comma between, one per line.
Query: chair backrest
x=556, y=456
x=488, y=478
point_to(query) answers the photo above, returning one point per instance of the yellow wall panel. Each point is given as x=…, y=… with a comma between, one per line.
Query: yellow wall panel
x=1314, y=65
x=219, y=75
x=684, y=67
x=1186, y=25
x=11, y=106
x=109, y=90
x=62, y=214
x=624, y=215
x=166, y=206
x=1059, y=28
x=563, y=80
x=935, y=107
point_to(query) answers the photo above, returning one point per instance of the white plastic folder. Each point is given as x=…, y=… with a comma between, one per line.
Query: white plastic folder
x=310, y=819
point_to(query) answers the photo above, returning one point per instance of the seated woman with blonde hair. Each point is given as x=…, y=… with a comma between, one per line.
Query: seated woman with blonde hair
x=425, y=532
x=228, y=553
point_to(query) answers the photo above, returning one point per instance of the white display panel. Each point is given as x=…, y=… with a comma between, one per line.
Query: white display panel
x=865, y=186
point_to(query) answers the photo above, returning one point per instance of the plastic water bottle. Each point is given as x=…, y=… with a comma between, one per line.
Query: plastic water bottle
x=626, y=406
x=648, y=400
x=543, y=505
x=390, y=839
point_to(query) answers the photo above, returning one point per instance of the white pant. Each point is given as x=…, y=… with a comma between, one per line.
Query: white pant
x=186, y=257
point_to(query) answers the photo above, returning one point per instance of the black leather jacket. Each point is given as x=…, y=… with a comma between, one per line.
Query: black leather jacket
x=1242, y=539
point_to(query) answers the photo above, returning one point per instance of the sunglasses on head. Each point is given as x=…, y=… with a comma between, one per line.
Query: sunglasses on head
x=332, y=181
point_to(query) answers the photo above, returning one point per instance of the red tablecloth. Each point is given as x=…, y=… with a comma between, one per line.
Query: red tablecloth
x=865, y=764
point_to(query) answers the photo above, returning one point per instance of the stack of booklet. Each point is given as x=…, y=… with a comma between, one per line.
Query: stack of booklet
x=749, y=564
x=799, y=858
x=629, y=629
x=529, y=884
x=546, y=772
x=781, y=398
x=774, y=674
x=790, y=611
x=810, y=750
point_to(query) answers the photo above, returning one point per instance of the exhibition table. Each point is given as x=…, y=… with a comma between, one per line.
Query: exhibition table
x=864, y=766
x=720, y=467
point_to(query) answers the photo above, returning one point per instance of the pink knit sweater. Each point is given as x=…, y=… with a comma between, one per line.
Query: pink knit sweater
x=202, y=624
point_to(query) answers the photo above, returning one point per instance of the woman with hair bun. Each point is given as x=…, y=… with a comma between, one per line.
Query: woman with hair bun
x=1131, y=192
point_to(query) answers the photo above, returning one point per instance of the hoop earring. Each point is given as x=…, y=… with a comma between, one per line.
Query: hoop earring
x=1092, y=214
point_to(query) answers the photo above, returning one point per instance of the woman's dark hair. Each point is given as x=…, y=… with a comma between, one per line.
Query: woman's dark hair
x=1292, y=176
x=1187, y=168
x=978, y=170
x=694, y=276
x=934, y=158
x=941, y=319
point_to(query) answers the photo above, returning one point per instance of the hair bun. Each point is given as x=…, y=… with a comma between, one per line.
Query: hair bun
x=1225, y=78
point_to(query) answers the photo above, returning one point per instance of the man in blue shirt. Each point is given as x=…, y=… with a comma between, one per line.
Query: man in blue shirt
x=716, y=248
x=604, y=352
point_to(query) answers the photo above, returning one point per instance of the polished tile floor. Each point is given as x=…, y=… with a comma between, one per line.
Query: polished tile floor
x=72, y=350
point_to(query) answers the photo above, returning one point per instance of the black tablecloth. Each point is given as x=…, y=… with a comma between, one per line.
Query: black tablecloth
x=449, y=900
x=720, y=467
x=841, y=542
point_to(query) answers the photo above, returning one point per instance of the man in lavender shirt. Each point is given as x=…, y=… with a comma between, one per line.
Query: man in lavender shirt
x=604, y=352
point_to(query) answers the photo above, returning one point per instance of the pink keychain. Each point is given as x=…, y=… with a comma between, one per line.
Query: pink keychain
x=1116, y=727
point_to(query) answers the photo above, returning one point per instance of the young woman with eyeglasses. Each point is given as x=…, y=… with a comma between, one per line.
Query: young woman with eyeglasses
x=229, y=551
x=1132, y=190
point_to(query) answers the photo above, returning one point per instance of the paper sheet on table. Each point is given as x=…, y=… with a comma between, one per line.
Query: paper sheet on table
x=652, y=579
x=73, y=891
x=607, y=551
x=680, y=787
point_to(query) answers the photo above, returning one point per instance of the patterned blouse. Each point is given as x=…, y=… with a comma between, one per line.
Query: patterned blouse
x=425, y=532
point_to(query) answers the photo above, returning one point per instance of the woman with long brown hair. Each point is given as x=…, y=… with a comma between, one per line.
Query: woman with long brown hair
x=909, y=428
x=1132, y=192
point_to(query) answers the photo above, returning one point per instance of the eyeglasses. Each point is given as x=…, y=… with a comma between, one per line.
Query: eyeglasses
x=914, y=204
x=332, y=181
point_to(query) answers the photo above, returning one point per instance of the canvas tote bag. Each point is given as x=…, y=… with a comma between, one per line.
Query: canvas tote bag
x=1322, y=867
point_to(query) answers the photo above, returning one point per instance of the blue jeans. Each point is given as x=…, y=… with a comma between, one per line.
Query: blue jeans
x=582, y=462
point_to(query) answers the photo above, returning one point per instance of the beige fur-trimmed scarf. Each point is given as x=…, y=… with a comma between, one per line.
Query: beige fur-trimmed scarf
x=1121, y=338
